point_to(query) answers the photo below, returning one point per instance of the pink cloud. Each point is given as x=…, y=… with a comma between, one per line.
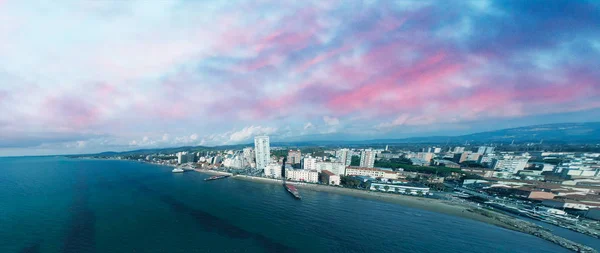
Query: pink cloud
x=411, y=83
x=322, y=57
x=70, y=112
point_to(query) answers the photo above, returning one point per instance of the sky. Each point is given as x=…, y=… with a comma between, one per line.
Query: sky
x=92, y=76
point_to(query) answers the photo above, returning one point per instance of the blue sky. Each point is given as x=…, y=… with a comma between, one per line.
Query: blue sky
x=91, y=76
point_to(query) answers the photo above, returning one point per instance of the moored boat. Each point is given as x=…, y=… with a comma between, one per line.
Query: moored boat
x=216, y=177
x=292, y=190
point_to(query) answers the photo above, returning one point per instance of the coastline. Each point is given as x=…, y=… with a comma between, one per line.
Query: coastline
x=434, y=205
x=440, y=206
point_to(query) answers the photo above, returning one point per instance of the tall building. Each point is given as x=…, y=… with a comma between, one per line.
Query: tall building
x=367, y=158
x=458, y=150
x=262, y=150
x=510, y=164
x=344, y=156
x=294, y=156
x=425, y=156
x=485, y=150
x=466, y=156
x=248, y=157
x=434, y=150
x=309, y=163
x=181, y=157
x=185, y=157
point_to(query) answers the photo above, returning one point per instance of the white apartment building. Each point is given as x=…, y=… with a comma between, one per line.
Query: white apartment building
x=309, y=163
x=425, y=156
x=485, y=150
x=511, y=165
x=262, y=151
x=344, y=156
x=336, y=168
x=235, y=162
x=370, y=172
x=273, y=170
x=185, y=157
x=248, y=157
x=310, y=176
x=458, y=150
x=367, y=158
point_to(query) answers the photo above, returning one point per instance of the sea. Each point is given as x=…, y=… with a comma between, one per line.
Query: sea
x=59, y=204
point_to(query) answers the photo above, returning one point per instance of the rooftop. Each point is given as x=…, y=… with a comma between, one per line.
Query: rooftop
x=327, y=172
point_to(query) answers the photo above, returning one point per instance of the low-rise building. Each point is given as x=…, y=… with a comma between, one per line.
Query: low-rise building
x=273, y=170
x=533, y=193
x=337, y=168
x=565, y=203
x=400, y=188
x=445, y=163
x=310, y=176
x=479, y=171
x=370, y=172
x=328, y=177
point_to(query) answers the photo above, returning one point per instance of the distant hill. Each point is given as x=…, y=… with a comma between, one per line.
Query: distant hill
x=588, y=132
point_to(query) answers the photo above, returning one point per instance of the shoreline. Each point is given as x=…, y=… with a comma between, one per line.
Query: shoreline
x=440, y=206
x=433, y=205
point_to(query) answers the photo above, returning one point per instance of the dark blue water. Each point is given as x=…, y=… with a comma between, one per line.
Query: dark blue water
x=68, y=205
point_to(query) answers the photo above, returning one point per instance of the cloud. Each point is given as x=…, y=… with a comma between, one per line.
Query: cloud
x=163, y=70
x=331, y=121
x=251, y=131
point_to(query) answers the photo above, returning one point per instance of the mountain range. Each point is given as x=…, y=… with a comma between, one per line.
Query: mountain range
x=560, y=133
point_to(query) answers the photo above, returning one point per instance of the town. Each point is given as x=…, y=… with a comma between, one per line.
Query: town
x=561, y=188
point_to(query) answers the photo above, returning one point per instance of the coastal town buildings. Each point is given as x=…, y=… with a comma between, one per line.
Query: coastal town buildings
x=309, y=163
x=344, y=156
x=294, y=156
x=370, y=172
x=367, y=158
x=509, y=164
x=310, y=176
x=262, y=151
x=273, y=170
x=337, y=168
x=330, y=178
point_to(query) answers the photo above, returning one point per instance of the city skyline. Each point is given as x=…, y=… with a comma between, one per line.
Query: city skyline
x=88, y=77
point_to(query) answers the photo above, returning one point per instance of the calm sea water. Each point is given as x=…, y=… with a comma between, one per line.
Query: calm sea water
x=68, y=205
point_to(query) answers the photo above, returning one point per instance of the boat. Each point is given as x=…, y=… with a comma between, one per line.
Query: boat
x=216, y=177
x=177, y=170
x=292, y=189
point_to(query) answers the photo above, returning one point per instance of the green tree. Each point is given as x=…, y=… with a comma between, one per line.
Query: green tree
x=420, y=193
x=376, y=187
x=355, y=160
x=386, y=188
